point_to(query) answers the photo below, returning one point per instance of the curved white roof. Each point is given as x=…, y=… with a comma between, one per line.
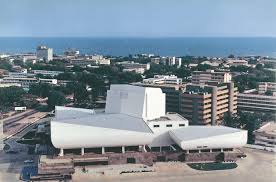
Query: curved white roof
x=81, y=128
x=208, y=137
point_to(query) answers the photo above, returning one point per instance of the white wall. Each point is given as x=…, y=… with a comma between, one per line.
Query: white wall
x=146, y=103
x=161, y=133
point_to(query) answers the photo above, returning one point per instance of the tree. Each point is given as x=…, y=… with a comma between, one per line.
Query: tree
x=269, y=93
x=231, y=56
x=55, y=98
x=9, y=96
x=203, y=67
x=41, y=89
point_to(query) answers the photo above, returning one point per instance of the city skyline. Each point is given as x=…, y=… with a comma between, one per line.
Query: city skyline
x=124, y=18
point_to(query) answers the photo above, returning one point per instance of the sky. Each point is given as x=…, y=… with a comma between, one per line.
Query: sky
x=138, y=18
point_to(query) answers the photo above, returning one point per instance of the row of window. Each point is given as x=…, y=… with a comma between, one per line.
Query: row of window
x=168, y=125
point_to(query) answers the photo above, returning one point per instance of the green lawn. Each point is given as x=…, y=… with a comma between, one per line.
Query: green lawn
x=213, y=166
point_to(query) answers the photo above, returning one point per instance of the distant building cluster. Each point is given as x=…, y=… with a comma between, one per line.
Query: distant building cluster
x=130, y=66
x=170, y=61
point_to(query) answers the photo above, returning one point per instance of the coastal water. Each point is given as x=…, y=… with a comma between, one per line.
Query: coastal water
x=159, y=46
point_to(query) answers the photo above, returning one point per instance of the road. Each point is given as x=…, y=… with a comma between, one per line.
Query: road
x=17, y=123
x=11, y=164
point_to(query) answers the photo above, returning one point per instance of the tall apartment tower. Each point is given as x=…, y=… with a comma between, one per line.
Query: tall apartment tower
x=45, y=53
x=202, y=77
x=207, y=104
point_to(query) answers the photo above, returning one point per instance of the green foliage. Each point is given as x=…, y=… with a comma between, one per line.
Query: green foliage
x=269, y=93
x=231, y=56
x=41, y=89
x=55, y=98
x=249, y=121
x=5, y=65
x=10, y=95
x=250, y=80
x=240, y=68
x=203, y=67
x=212, y=166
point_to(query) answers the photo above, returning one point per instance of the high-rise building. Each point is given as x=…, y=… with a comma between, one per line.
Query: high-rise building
x=201, y=77
x=207, y=104
x=45, y=53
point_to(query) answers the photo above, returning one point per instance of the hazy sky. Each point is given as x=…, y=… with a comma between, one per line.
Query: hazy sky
x=142, y=18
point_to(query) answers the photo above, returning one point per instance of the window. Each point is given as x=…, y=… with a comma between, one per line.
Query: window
x=156, y=126
x=181, y=125
x=131, y=160
x=169, y=125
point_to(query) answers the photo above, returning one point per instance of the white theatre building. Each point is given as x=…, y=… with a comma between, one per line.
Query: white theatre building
x=136, y=117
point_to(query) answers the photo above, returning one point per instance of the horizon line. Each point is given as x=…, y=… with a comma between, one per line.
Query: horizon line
x=150, y=37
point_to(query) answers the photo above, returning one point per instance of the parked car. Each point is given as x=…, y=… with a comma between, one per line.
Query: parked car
x=28, y=161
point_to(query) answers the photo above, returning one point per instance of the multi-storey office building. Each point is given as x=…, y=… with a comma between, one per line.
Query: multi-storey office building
x=207, y=104
x=45, y=53
x=257, y=102
x=201, y=77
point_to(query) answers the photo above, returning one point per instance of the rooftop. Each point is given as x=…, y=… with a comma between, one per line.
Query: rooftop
x=268, y=128
x=170, y=116
x=197, y=132
x=87, y=117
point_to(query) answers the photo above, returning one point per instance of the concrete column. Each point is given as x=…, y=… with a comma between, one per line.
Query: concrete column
x=221, y=150
x=140, y=148
x=199, y=151
x=61, y=153
x=82, y=151
x=231, y=97
x=214, y=105
x=123, y=149
x=144, y=148
x=211, y=150
x=187, y=151
x=103, y=151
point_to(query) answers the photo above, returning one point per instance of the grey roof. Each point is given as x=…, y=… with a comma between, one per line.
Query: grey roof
x=71, y=112
x=198, y=132
x=170, y=116
x=113, y=121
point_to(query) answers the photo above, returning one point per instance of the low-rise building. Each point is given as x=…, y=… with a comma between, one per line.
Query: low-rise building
x=47, y=73
x=207, y=104
x=252, y=101
x=202, y=77
x=263, y=87
x=237, y=62
x=134, y=67
x=266, y=136
x=24, y=82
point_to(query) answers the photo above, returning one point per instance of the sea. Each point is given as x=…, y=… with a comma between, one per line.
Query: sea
x=182, y=46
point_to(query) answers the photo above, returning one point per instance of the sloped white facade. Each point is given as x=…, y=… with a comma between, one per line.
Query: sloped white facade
x=146, y=103
x=208, y=137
